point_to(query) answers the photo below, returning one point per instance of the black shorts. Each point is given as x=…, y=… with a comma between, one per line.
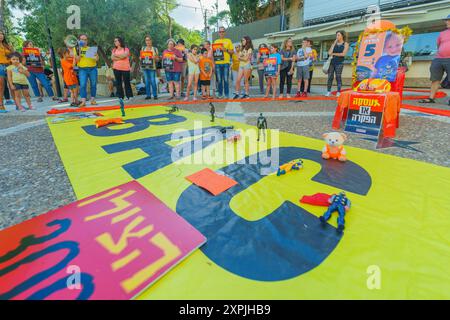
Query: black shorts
x=205, y=83
x=21, y=86
x=438, y=66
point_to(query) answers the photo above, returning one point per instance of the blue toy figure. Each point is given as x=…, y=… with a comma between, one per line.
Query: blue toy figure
x=342, y=205
x=122, y=107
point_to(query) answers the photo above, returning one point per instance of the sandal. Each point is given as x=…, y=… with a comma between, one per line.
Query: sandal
x=428, y=100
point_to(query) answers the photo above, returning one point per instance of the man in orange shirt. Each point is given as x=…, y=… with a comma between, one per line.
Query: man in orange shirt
x=206, y=71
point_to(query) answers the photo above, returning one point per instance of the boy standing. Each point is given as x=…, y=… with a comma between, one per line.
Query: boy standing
x=70, y=78
x=206, y=71
x=303, y=59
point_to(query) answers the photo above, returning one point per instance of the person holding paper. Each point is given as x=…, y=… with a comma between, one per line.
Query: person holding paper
x=36, y=69
x=87, y=59
x=149, y=57
x=224, y=48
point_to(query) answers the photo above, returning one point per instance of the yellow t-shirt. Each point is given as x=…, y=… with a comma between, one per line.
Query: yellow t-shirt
x=314, y=56
x=227, y=45
x=245, y=53
x=86, y=62
x=18, y=78
x=4, y=55
x=235, y=65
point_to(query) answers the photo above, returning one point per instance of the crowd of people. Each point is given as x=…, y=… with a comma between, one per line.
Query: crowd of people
x=201, y=71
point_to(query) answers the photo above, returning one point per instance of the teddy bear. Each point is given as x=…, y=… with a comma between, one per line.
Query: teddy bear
x=335, y=146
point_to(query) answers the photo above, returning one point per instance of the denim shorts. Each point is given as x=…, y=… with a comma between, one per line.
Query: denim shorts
x=173, y=76
x=3, y=70
x=21, y=86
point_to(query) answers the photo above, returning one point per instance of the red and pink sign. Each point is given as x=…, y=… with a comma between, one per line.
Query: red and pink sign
x=110, y=246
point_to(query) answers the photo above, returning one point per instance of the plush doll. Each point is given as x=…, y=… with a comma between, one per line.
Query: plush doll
x=335, y=146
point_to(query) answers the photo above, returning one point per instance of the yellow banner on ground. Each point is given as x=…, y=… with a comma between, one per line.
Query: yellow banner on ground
x=262, y=243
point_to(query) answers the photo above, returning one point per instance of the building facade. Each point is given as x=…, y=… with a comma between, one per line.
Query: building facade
x=319, y=21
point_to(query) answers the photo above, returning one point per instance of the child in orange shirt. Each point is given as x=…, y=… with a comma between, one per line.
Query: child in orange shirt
x=206, y=70
x=70, y=78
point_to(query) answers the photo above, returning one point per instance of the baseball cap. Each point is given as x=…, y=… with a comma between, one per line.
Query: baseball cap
x=448, y=17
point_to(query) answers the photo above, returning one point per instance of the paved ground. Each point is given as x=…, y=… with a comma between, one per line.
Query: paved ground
x=33, y=180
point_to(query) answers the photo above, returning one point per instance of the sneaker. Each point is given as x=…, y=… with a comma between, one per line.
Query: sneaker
x=220, y=97
x=9, y=102
x=40, y=99
x=93, y=102
x=328, y=94
x=304, y=95
x=288, y=96
x=338, y=94
x=186, y=99
x=112, y=95
x=236, y=96
x=298, y=95
x=63, y=100
x=245, y=96
x=155, y=98
x=148, y=98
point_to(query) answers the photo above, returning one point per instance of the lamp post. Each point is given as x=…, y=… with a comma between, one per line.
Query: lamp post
x=52, y=52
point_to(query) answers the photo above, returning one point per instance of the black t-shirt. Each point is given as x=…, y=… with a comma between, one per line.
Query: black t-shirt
x=286, y=54
x=338, y=48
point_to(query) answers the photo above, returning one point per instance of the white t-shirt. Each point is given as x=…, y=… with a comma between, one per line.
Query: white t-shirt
x=301, y=54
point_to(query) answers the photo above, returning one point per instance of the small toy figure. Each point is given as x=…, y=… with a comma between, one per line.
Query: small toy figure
x=122, y=107
x=262, y=126
x=173, y=109
x=288, y=167
x=342, y=205
x=212, y=112
x=224, y=130
x=335, y=146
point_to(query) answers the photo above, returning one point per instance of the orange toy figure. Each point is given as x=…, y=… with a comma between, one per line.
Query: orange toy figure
x=335, y=146
x=104, y=122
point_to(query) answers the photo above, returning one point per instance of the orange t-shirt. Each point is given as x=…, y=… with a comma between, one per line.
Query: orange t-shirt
x=70, y=77
x=206, y=66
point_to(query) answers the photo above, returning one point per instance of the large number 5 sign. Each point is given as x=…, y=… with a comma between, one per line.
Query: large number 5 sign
x=370, y=50
x=286, y=243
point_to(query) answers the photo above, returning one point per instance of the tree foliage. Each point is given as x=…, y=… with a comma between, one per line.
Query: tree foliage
x=243, y=11
x=223, y=18
x=103, y=20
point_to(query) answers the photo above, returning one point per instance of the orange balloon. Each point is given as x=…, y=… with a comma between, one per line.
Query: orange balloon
x=381, y=25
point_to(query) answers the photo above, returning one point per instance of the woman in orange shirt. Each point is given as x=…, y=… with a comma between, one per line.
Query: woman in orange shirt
x=5, y=50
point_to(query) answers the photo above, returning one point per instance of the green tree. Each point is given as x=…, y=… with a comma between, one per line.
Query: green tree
x=222, y=18
x=103, y=20
x=243, y=11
